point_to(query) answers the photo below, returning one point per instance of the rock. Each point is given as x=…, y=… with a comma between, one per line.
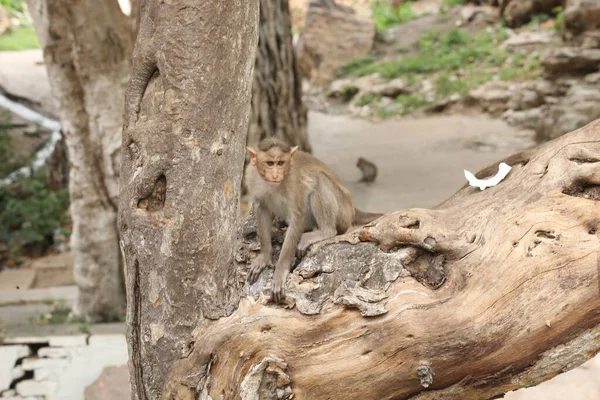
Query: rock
x=112, y=384
x=554, y=108
x=9, y=356
x=582, y=15
x=519, y=12
x=529, y=40
x=5, y=23
x=492, y=97
x=593, y=78
x=332, y=37
x=571, y=60
x=471, y=14
x=392, y=88
x=53, y=352
x=35, y=388
x=30, y=364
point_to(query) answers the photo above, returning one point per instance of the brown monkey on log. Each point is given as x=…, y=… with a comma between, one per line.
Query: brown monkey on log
x=368, y=169
x=297, y=187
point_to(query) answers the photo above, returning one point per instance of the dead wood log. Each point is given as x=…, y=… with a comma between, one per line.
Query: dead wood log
x=490, y=291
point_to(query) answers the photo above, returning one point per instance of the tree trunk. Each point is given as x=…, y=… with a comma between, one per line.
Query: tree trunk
x=488, y=292
x=88, y=71
x=277, y=107
x=186, y=120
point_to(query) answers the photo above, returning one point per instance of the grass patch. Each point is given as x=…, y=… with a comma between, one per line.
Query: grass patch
x=12, y=6
x=385, y=15
x=447, y=51
x=366, y=99
x=453, y=3
x=350, y=68
x=22, y=38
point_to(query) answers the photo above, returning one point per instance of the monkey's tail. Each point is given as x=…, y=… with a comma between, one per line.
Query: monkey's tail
x=361, y=217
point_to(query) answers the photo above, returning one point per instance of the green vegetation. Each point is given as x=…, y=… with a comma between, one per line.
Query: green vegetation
x=356, y=64
x=84, y=328
x=29, y=211
x=348, y=93
x=22, y=38
x=453, y=3
x=559, y=17
x=447, y=51
x=12, y=6
x=58, y=314
x=366, y=99
x=385, y=15
x=454, y=62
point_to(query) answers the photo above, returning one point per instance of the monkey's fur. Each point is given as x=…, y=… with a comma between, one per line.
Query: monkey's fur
x=368, y=169
x=295, y=186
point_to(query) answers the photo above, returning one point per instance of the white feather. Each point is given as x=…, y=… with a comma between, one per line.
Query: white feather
x=503, y=170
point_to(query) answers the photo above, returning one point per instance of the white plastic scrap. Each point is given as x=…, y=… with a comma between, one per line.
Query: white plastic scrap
x=503, y=170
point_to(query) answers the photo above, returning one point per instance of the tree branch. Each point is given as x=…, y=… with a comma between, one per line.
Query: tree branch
x=491, y=291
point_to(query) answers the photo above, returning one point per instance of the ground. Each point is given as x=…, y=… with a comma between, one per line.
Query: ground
x=420, y=163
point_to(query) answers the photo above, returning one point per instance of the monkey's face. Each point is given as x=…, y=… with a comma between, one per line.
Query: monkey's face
x=273, y=165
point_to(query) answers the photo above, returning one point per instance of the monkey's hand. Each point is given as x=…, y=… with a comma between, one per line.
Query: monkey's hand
x=279, y=278
x=259, y=263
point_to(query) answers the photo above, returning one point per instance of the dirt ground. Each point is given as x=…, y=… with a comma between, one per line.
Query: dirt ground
x=420, y=163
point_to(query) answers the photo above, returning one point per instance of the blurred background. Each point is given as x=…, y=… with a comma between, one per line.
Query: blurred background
x=398, y=97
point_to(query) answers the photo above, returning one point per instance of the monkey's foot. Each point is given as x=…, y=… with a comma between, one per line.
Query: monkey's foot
x=259, y=263
x=279, y=278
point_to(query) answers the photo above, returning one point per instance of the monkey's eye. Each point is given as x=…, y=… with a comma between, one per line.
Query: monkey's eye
x=270, y=163
x=280, y=163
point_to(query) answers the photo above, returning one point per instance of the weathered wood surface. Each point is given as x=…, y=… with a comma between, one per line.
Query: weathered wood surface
x=488, y=292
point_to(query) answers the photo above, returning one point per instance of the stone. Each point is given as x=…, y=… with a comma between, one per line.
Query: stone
x=392, y=88
x=582, y=15
x=529, y=40
x=5, y=23
x=472, y=14
x=17, y=279
x=519, y=12
x=68, y=341
x=34, y=388
x=571, y=60
x=17, y=373
x=9, y=356
x=492, y=97
x=112, y=384
x=8, y=393
x=332, y=37
x=30, y=364
x=42, y=374
x=52, y=352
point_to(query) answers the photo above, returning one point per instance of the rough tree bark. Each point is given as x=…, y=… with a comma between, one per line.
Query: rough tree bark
x=488, y=292
x=277, y=107
x=186, y=119
x=88, y=71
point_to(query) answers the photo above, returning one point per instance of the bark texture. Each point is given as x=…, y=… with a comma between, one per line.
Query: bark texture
x=88, y=71
x=488, y=292
x=186, y=119
x=277, y=107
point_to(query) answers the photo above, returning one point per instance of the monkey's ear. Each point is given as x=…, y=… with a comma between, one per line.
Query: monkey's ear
x=293, y=150
x=252, y=155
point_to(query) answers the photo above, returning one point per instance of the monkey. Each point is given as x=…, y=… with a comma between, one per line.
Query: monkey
x=368, y=169
x=297, y=187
